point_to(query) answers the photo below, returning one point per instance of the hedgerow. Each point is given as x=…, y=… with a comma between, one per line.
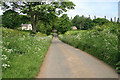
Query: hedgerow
x=101, y=42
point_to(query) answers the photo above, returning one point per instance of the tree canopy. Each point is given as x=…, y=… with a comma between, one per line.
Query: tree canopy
x=36, y=9
x=63, y=24
x=12, y=19
x=82, y=22
x=100, y=21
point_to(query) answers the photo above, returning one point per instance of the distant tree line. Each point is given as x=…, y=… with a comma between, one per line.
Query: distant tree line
x=85, y=23
x=48, y=22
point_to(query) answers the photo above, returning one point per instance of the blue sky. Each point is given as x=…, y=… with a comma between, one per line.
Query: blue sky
x=99, y=8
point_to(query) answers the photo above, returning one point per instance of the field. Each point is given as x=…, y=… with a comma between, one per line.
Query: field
x=101, y=42
x=22, y=53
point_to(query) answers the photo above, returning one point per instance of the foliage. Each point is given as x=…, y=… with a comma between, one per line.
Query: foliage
x=35, y=9
x=118, y=67
x=118, y=64
x=46, y=23
x=100, y=42
x=22, y=53
x=82, y=22
x=63, y=24
x=88, y=24
x=44, y=28
x=11, y=19
x=24, y=19
x=100, y=21
x=78, y=21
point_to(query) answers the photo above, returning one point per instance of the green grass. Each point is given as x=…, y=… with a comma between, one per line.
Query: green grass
x=22, y=53
x=101, y=42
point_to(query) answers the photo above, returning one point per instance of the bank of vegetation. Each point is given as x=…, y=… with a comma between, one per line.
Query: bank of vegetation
x=23, y=53
x=100, y=41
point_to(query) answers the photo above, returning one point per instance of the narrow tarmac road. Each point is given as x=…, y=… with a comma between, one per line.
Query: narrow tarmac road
x=64, y=61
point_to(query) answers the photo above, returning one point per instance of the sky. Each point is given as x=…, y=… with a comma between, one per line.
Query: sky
x=98, y=8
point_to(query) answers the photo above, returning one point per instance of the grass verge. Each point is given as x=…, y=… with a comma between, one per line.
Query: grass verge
x=23, y=54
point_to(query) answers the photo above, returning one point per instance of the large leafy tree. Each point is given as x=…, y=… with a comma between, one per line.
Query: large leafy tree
x=46, y=23
x=88, y=24
x=44, y=27
x=35, y=9
x=24, y=19
x=63, y=24
x=76, y=21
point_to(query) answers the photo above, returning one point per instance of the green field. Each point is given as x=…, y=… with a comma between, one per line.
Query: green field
x=23, y=53
x=101, y=42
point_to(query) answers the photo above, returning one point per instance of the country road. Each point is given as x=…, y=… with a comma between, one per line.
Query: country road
x=64, y=61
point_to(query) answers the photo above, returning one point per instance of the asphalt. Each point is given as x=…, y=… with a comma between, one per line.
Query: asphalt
x=64, y=61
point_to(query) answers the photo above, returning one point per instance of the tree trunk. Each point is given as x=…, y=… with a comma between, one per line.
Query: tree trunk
x=33, y=19
x=34, y=28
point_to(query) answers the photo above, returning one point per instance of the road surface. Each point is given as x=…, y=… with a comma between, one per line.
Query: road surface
x=64, y=61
